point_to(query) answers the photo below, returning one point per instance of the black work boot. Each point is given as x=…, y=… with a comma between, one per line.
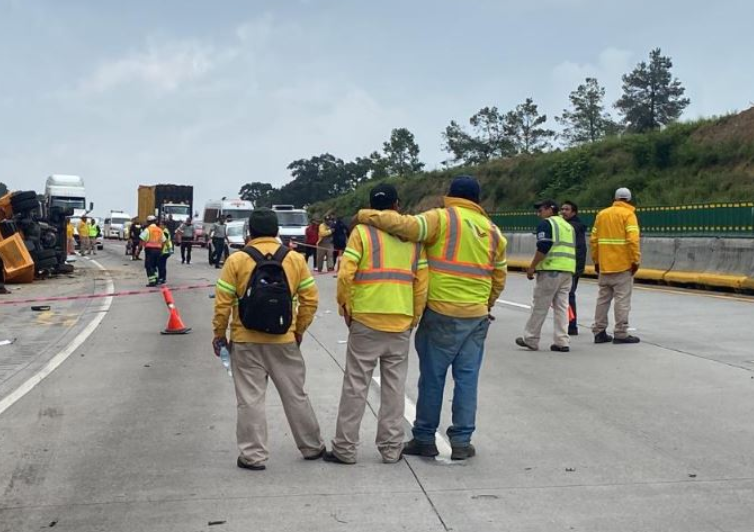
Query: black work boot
x=602, y=338
x=254, y=467
x=560, y=348
x=627, y=340
x=331, y=457
x=462, y=452
x=415, y=448
x=522, y=343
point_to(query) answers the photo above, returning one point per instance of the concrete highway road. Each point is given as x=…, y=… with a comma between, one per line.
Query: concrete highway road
x=135, y=431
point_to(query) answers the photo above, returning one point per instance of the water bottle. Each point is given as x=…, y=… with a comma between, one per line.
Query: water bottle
x=225, y=359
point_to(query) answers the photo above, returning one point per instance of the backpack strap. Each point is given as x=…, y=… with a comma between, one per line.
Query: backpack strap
x=258, y=257
x=280, y=254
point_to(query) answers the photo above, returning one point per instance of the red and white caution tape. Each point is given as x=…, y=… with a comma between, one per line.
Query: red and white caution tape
x=155, y=290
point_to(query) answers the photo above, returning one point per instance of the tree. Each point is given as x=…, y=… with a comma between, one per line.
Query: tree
x=652, y=98
x=587, y=120
x=489, y=140
x=3, y=189
x=256, y=193
x=522, y=127
x=402, y=153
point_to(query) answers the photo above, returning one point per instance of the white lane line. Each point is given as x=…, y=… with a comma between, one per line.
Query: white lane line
x=512, y=304
x=58, y=359
x=410, y=415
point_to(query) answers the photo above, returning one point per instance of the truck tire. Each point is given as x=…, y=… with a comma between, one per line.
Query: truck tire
x=22, y=196
x=24, y=206
x=46, y=254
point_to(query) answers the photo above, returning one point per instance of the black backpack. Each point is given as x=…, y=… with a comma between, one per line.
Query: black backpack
x=267, y=305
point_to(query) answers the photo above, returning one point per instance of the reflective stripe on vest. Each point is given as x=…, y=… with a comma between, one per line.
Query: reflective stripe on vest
x=562, y=254
x=462, y=260
x=383, y=283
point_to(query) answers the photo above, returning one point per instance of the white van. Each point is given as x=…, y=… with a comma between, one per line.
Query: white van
x=292, y=223
x=238, y=209
x=116, y=225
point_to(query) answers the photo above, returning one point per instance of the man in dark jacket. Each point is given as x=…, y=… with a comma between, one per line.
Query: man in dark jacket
x=569, y=210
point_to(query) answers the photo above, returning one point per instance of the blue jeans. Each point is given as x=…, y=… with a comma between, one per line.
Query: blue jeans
x=443, y=342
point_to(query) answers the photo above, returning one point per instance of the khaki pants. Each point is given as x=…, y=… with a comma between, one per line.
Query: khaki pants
x=613, y=287
x=252, y=364
x=84, y=244
x=551, y=289
x=366, y=346
x=325, y=248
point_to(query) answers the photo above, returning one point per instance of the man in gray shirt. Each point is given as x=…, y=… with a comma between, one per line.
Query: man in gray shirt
x=219, y=236
x=186, y=235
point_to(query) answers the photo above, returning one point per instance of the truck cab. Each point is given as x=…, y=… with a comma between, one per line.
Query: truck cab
x=292, y=223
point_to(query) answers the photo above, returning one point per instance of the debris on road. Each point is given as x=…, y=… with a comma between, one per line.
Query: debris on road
x=7, y=342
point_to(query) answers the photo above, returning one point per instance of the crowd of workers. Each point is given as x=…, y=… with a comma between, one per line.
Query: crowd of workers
x=440, y=272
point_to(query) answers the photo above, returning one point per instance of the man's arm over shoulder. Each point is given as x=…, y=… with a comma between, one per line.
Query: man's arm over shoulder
x=308, y=295
x=500, y=271
x=424, y=227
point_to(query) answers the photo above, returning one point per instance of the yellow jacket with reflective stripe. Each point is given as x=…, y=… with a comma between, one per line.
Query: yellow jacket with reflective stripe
x=382, y=281
x=562, y=254
x=83, y=229
x=235, y=276
x=465, y=250
x=152, y=236
x=615, y=238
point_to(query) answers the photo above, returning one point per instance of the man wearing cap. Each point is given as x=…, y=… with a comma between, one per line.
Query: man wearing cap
x=616, y=254
x=257, y=357
x=382, y=290
x=553, y=266
x=152, y=239
x=467, y=269
x=219, y=237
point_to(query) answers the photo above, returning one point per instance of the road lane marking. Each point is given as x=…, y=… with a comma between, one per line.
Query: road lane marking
x=410, y=415
x=58, y=359
x=513, y=304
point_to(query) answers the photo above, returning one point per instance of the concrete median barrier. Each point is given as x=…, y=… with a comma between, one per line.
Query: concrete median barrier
x=731, y=264
x=658, y=255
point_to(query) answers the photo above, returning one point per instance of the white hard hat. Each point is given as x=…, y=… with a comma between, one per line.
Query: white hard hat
x=151, y=218
x=623, y=193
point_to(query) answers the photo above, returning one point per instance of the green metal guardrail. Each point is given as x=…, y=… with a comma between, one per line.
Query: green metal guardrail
x=712, y=219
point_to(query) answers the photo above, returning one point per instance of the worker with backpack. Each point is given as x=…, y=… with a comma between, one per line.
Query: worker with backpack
x=269, y=298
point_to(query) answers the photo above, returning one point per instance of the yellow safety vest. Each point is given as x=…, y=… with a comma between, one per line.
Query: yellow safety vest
x=562, y=254
x=92, y=231
x=383, y=283
x=462, y=259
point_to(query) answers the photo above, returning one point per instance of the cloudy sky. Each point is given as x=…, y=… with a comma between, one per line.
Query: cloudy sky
x=217, y=94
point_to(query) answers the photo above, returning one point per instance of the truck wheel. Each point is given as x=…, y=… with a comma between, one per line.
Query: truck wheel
x=24, y=206
x=22, y=196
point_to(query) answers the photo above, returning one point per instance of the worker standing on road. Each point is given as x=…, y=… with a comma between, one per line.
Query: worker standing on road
x=325, y=244
x=186, y=235
x=258, y=356
x=615, y=243
x=93, y=234
x=311, y=239
x=467, y=269
x=152, y=238
x=134, y=233
x=382, y=290
x=167, y=251
x=570, y=213
x=553, y=265
x=70, y=241
x=83, y=230
x=219, y=236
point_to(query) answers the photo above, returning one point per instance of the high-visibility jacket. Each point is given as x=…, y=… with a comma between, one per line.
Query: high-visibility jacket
x=92, y=231
x=167, y=245
x=382, y=280
x=615, y=238
x=465, y=251
x=69, y=230
x=152, y=236
x=324, y=232
x=83, y=229
x=562, y=254
x=233, y=281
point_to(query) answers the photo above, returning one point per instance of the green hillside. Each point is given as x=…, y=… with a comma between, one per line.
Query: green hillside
x=709, y=160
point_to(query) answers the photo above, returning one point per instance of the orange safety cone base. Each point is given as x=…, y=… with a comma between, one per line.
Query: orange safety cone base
x=185, y=330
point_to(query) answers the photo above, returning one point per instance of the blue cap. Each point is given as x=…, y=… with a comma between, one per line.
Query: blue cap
x=466, y=187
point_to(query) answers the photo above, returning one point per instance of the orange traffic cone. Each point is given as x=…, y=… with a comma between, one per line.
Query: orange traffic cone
x=571, y=315
x=175, y=323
